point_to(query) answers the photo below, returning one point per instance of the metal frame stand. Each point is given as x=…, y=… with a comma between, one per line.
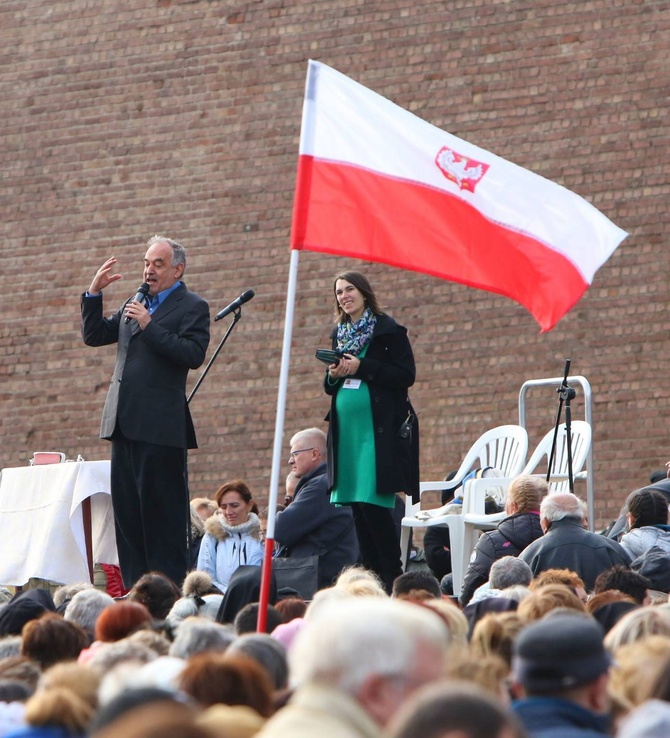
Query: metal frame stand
x=561, y=383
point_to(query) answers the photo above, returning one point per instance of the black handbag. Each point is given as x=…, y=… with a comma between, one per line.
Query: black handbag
x=298, y=573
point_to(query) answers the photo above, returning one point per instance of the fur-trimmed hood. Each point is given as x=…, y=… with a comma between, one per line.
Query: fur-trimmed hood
x=216, y=526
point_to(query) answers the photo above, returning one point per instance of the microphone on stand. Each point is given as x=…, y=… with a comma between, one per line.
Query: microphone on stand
x=235, y=304
x=141, y=296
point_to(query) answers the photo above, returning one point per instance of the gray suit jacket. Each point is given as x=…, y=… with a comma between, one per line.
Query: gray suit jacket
x=147, y=394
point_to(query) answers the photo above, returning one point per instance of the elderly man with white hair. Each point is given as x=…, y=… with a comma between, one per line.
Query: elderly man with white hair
x=566, y=544
x=311, y=525
x=355, y=664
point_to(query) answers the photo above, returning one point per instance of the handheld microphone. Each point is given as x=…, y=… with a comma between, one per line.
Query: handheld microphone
x=235, y=304
x=141, y=296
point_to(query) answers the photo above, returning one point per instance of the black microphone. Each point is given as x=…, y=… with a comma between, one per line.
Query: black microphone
x=141, y=296
x=235, y=304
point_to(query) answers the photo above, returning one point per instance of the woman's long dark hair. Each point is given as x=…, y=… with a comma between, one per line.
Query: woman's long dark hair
x=648, y=507
x=360, y=282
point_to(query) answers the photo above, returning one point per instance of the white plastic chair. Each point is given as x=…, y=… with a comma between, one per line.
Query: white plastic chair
x=475, y=519
x=504, y=448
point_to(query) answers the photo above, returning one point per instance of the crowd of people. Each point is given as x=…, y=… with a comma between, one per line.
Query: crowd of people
x=558, y=631
x=534, y=654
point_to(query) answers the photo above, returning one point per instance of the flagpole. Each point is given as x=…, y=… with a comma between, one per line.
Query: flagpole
x=266, y=575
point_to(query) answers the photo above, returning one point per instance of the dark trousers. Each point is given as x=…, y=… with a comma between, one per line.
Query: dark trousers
x=151, y=516
x=378, y=541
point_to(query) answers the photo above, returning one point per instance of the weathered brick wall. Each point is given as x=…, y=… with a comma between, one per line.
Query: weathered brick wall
x=121, y=119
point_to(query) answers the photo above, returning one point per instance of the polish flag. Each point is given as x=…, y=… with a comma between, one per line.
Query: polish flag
x=379, y=184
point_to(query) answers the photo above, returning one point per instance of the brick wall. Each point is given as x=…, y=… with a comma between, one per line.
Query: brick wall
x=122, y=119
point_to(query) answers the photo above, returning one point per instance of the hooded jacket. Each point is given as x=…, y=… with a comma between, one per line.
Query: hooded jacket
x=639, y=540
x=510, y=538
x=225, y=547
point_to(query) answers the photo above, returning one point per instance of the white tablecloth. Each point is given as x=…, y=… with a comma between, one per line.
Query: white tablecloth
x=41, y=521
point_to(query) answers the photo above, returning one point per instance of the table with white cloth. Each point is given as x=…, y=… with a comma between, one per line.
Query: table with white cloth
x=56, y=521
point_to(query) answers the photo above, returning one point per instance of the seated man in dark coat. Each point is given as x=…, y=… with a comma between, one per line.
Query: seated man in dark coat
x=566, y=544
x=311, y=524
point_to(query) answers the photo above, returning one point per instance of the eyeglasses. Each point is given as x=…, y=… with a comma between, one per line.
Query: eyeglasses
x=293, y=454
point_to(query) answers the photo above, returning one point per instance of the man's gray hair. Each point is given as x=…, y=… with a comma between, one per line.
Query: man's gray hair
x=313, y=437
x=358, y=637
x=66, y=592
x=85, y=607
x=198, y=634
x=509, y=571
x=561, y=505
x=178, y=251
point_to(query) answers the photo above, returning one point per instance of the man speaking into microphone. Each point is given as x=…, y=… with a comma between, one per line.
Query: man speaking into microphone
x=160, y=334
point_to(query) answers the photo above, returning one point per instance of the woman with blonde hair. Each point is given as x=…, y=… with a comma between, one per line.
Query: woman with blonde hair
x=548, y=598
x=495, y=634
x=637, y=624
x=520, y=528
x=635, y=672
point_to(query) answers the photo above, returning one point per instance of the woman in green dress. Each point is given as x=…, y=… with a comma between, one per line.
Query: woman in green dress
x=373, y=438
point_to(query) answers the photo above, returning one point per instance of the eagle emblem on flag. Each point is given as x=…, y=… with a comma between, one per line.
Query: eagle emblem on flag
x=466, y=173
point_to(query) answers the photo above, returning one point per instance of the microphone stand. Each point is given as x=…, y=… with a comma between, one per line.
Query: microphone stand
x=237, y=315
x=565, y=394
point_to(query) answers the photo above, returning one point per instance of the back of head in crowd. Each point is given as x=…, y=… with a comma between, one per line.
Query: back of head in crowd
x=560, y=576
x=199, y=635
x=624, y=580
x=416, y=585
x=508, y=572
x=156, y=592
x=120, y=620
x=213, y=678
x=527, y=492
x=558, y=654
x=550, y=597
x=290, y=608
x=647, y=507
x=50, y=639
x=562, y=506
x=357, y=642
x=85, y=607
x=460, y=710
x=266, y=651
x=246, y=619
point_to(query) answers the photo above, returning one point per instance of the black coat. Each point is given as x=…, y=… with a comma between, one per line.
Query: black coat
x=389, y=371
x=510, y=538
x=567, y=545
x=437, y=548
x=147, y=393
x=311, y=525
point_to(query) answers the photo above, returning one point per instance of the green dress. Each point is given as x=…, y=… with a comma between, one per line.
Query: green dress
x=356, y=467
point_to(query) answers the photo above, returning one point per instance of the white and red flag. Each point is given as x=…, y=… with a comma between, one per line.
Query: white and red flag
x=379, y=184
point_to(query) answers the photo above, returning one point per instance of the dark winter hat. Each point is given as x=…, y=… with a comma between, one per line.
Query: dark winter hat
x=23, y=607
x=559, y=652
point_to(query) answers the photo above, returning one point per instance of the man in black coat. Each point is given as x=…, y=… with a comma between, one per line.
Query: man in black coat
x=311, y=525
x=146, y=414
x=566, y=544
